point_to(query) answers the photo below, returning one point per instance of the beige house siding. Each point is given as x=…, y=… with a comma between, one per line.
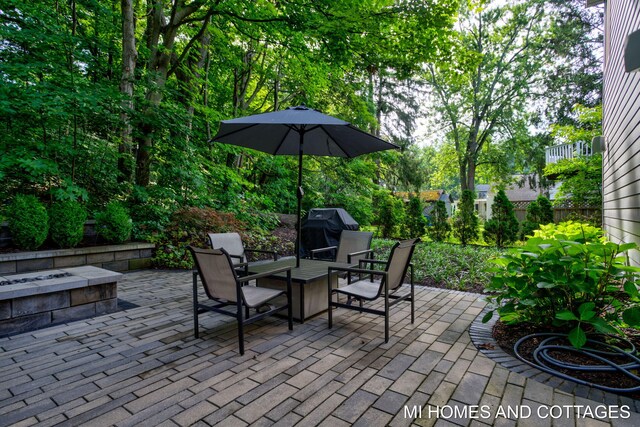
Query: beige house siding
x=621, y=128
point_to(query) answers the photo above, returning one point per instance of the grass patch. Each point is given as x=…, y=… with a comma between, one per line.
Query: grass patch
x=447, y=265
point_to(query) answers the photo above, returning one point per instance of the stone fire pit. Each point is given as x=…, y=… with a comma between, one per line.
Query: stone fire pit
x=34, y=300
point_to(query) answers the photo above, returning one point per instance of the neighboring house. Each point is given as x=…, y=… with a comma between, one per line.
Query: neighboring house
x=482, y=208
x=621, y=122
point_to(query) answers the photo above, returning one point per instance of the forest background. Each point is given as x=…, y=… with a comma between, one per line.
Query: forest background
x=104, y=100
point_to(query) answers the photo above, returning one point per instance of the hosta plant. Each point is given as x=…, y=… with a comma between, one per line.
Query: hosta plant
x=581, y=285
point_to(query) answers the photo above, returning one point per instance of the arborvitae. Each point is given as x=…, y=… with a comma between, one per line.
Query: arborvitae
x=465, y=222
x=539, y=212
x=503, y=226
x=415, y=220
x=441, y=228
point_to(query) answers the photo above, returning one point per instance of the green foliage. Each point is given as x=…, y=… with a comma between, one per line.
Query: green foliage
x=571, y=230
x=150, y=209
x=440, y=228
x=66, y=223
x=28, y=222
x=539, y=212
x=465, y=220
x=581, y=285
x=190, y=226
x=114, y=223
x=502, y=228
x=390, y=214
x=458, y=267
x=415, y=222
x=581, y=180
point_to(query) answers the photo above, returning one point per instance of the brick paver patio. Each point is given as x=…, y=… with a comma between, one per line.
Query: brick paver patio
x=142, y=366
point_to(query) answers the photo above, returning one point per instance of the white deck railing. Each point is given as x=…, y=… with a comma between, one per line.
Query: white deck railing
x=567, y=151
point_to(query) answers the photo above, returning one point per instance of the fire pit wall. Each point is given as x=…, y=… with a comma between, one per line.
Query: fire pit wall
x=34, y=300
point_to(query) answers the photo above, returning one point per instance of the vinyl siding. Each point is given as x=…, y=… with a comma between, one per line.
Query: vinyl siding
x=621, y=128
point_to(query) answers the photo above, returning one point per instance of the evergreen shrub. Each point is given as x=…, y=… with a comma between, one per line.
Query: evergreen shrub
x=114, y=223
x=465, y=221
x=28, y=222
x=502, y=228
x=415, y=220
x=66, y=223
x=441, y=228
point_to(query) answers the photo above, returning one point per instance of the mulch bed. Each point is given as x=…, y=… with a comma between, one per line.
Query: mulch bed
x=507, y=335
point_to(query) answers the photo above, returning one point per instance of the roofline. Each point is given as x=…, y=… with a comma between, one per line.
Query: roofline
x=594, y=2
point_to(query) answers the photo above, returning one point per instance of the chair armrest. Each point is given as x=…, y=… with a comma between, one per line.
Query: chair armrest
x=357, y=270
x=273, y=253
x=264, y=274
x=328, y=248
x=366, y=251
x=371, y=261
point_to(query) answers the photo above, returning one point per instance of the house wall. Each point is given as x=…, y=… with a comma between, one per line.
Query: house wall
x=621, y=128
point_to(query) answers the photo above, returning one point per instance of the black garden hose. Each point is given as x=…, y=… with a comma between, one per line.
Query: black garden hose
x=545, y=361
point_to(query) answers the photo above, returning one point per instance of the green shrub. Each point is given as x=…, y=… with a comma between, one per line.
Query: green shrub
x=66, y=223
x=441, y=228
x=539, y=212
x=571, y=230
x=150, y=211
x=465, y=221
x=28, y=222
x=581, y=285
x=114, y=223
x=390, y=214
x=503, y=226
x=414, y=219
x=190, y=226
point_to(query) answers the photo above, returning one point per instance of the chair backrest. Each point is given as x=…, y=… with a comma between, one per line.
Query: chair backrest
x=353, y=241
x=216, y=271
x=230, y=242
x=399, y=260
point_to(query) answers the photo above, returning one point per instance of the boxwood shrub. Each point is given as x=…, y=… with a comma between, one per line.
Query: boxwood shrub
x=66, y=223
x=28, y=222
x=114, y=223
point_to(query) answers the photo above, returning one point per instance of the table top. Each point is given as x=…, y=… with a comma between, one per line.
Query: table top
x=308, y=271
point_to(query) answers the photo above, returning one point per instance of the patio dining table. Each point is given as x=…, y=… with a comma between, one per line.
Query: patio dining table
x=309, y=282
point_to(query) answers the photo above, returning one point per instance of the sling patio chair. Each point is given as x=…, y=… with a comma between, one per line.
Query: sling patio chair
x=385, y=284
x=232, y=243
x=222, y=285
x=353, y=246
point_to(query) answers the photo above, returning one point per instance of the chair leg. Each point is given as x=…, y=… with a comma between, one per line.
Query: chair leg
x=289, y=301
x=329, y=307
x=196, y=332
x=412, y=303
x=240, y=328
x=386, y=315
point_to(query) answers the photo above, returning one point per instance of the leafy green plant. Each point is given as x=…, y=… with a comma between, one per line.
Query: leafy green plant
x=28, y=222
x=539, y=212
x=465, y=221
x=441, y=228
x=571, y=230
x=114, y=223
x=503, y=226
x=390, y=214
x=414, y=219
x=66, y=223
x=579, y=285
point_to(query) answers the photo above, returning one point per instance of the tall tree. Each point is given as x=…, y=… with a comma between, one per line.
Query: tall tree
x=483, y=87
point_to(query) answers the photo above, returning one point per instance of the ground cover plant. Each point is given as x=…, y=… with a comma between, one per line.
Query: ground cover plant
x=569, y=279
x=446, y=265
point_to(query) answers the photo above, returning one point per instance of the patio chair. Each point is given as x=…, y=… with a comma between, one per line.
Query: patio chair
x=375, y=284
x=353, y=246
x=222, y=285
x=232, y=243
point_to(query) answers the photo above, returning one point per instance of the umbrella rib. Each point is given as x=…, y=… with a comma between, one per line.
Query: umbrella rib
x=235, y=131
x=291, y=128
x=335, y=142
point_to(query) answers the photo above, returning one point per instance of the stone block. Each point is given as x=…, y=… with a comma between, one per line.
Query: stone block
x=5, y=310
x=69, y=261
x=7, y=267
x=107, y=306
x=94, y=275
x=146, y=253
x=140, y=263
x=100, y=258
x=35, y=264
x=120, y=255
x=39, y=303
x=122, y=265
x=93, y=293
x=73, y=313
x=24, y=323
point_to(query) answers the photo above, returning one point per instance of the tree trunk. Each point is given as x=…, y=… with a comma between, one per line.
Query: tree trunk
x=129, y=56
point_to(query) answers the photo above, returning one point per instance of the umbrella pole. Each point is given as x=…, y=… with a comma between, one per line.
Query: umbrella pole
x=300, y=193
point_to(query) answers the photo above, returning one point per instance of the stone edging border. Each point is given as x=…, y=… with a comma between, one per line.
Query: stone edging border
x=482, y=338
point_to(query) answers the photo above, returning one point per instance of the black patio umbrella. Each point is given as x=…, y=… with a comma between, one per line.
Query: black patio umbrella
x=297, y=131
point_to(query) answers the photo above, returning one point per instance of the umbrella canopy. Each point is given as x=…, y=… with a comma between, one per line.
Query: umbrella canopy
x=298, y=131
